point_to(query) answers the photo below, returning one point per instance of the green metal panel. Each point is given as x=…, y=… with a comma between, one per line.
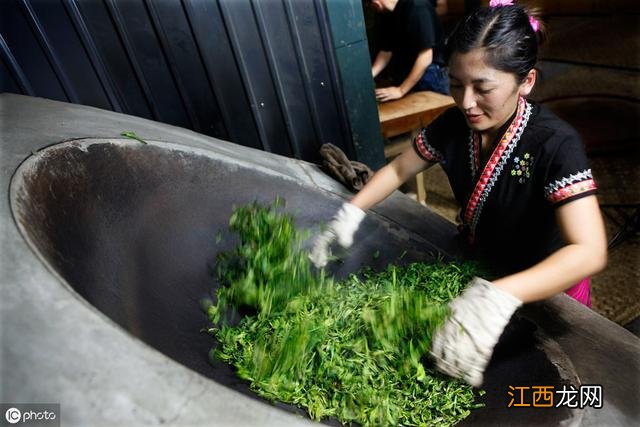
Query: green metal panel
x=359, y=97
x=354, y=64
x=347, y=21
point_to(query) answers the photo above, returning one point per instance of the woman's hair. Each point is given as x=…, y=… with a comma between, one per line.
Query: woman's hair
x=505, y=32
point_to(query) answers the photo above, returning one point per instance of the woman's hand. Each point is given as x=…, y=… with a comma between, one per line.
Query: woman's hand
x=389, y=93
x=463, y=345
x=342, y=227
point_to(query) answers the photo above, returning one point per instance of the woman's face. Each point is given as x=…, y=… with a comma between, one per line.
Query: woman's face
x=487, y=96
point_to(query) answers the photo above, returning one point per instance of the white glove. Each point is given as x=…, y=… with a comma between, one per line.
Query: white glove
x=463, y=345
x=342, y=227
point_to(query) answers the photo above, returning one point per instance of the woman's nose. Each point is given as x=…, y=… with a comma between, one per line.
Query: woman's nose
x=468, y=99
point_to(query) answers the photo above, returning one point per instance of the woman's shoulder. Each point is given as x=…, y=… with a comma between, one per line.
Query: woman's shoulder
x=550, y=128
x=555, y=139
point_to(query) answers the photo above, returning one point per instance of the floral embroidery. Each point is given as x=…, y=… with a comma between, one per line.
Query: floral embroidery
x=572, y=185
x=494, y=166
x=425, y=149
x=522, y=167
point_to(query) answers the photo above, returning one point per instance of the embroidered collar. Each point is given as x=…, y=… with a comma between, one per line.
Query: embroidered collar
x=494, y=166
x=475, y=143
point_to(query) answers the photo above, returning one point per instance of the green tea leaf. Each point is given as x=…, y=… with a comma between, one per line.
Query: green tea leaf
x=352, y=349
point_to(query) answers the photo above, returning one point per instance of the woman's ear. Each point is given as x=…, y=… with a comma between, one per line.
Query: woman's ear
x=529, y=81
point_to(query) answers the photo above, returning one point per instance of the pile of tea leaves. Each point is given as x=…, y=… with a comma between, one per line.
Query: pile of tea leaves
x=352, y=349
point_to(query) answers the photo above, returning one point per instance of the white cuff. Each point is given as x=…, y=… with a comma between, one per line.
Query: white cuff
x=346, y=222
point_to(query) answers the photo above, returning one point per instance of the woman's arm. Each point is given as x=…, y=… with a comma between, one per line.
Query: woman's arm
x=422, y=62
x=346, y=221
x=463, y=345
x=585, y=254
x=382, y=60
x=420, y=65
x=389, y=178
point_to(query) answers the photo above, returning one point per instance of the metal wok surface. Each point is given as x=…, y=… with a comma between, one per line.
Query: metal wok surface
x=132, y=229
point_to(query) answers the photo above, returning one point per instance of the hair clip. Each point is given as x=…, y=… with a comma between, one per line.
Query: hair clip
x=497, y=3
x=535, y=24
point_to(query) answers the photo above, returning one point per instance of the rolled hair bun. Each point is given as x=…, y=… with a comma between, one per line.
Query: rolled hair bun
x=506, y=34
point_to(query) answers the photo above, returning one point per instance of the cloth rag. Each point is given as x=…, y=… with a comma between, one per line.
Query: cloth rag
x=354, y=175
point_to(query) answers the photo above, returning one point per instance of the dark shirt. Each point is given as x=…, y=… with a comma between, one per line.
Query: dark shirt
x=410, y=28
x=508, y=198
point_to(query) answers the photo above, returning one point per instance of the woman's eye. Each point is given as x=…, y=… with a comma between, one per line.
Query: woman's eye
x=484, y=91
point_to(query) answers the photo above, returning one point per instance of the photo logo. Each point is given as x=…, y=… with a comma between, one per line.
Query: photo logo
x=13, y=415
x=29, y=414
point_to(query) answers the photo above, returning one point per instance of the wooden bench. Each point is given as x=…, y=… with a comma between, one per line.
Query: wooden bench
x=409, y=114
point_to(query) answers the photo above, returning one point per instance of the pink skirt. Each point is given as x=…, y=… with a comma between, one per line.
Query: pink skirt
x=581, y=292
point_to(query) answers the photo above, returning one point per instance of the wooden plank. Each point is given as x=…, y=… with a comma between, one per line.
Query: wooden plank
x=413, y=103
x=411, y=112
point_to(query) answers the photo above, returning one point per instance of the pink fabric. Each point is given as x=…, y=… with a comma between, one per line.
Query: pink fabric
x=581, y=292
x=535, y=24
x=496, y=3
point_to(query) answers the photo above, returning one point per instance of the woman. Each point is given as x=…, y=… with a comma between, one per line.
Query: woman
x=521, y=175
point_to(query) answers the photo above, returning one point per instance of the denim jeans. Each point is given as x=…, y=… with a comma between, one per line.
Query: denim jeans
x=435, y=79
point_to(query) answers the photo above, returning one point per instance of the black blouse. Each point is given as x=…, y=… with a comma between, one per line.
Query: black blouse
x=538, y=163
x=412, y=27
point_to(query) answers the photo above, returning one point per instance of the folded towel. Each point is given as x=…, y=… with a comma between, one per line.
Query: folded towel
x=354, y=175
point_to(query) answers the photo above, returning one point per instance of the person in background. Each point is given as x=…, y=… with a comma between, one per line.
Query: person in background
x=410, y=48
x=521, y=175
